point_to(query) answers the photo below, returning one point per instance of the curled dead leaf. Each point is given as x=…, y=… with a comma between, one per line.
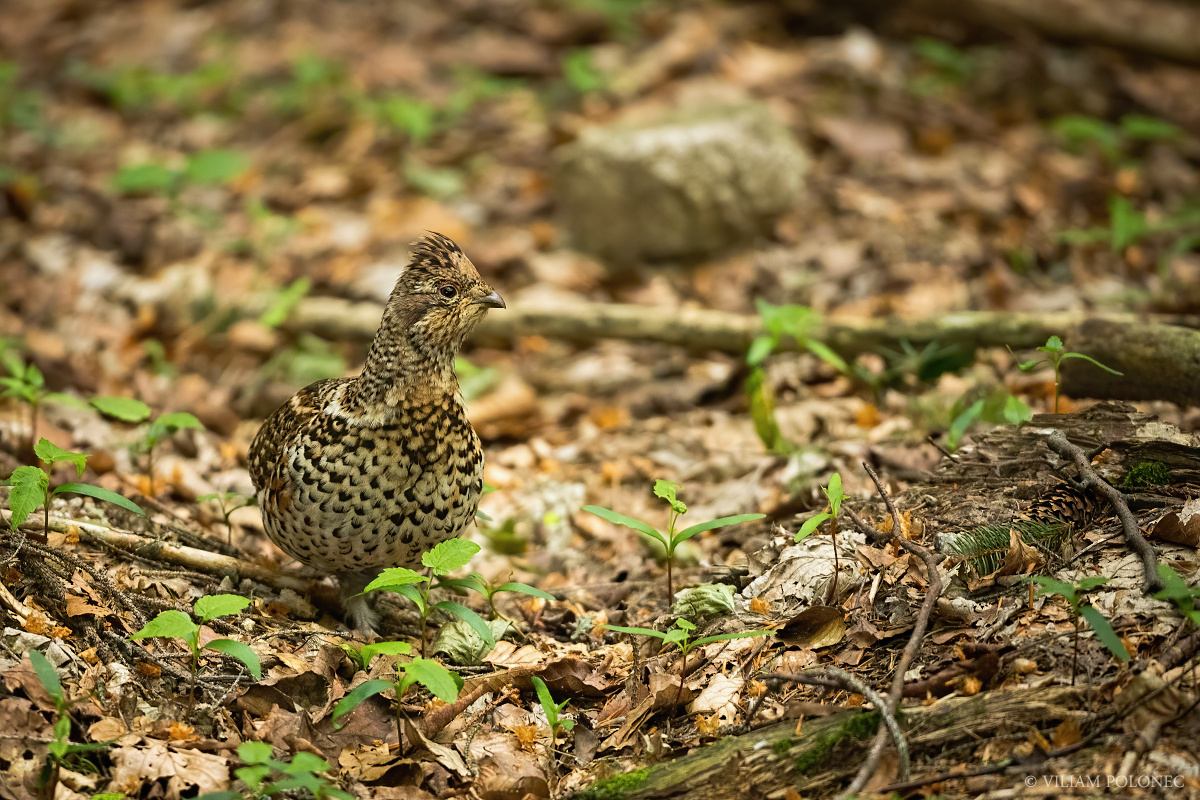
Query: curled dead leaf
x=1181, y=527
x=815, y=627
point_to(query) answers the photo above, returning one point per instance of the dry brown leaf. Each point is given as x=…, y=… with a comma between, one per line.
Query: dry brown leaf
x=1066, y=733
x=815, y=627
x=182, y=771
x=1181, y=527
x=78, y=607
x=506, y=770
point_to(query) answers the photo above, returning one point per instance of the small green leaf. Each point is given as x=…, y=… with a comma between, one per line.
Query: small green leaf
x=392, y=578
x=685, y=624
x=719, y=522
x=1031, y=365
x=144, y=179
x=285, y=302
x=525, y=588
x=835, y=493
x=958, y=428
x=725, y=637
x=169, y=624
x=239, y=651
x=100, y=493
x=477, y=623
x=414, y=594
x=468, y=583
x=1094, y=362
x=177, y=421
x=1049, y=586
x=827, y=354
x=1054, y=344
x=669, y=491
x=760, y=348
x=628, y=522
x=306, y=762
x=811, y=524
x=254, y=752
x=1104, y=632
x=27, y=493
x=367, y=653
x=47, y=676
x=126, y=409
x=212, y=606
x=546, y=700
x=356, y=696
x=49, y=453
x=1090, y=582
x=443, y=683
x=636, y=631
x=450, y=555
x=215, y=167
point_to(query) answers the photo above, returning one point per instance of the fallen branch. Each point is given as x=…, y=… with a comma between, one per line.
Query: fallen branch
x=1090, y=479
x=932, y=592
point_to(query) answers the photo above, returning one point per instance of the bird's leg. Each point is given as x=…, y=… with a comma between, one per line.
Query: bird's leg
x=359, y=611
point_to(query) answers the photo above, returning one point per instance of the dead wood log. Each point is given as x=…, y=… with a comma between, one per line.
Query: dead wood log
x=1159, y=358
x=763, y=763
x=1164, y=28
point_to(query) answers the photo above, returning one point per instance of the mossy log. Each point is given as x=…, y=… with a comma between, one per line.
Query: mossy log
x=828, y=750
x=1157, y=362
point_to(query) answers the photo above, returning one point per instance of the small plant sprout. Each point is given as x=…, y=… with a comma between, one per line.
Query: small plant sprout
x=477, y=583
x=834, y=494
x=1074, y=593
x=441, y=560
x=680, y=635
x=60, y=749
x=1176, y=591
x=267, y=776
x=132, y=410
x=25, y=383
x=227, y=502
x=441, y=682
x=363, y=655
x=30, y=486
x=1055, y=355
x=174, y=624
x=554, y=718
x=668, y=492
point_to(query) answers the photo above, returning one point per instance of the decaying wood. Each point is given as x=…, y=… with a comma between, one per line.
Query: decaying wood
x=1149, y=351
x=762, y=763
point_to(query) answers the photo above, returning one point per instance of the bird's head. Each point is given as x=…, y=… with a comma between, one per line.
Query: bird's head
x=439, y=298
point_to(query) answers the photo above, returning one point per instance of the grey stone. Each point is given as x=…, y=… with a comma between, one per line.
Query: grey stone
x=690, y=183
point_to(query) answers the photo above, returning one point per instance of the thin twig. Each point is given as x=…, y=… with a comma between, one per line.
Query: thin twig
x=1090, y=479
x=933, y=590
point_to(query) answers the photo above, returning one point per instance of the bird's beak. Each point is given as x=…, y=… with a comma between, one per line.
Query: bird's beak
x=492, y=300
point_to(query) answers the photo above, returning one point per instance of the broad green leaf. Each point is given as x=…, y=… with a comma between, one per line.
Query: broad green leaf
x=368, y=652
x=27, y=493
x=413, y=594
x=356, y=696
x=1104, y=632
x=126, y=409
x=719, y=522
x=285, y=302
x=1089, y=583
x=215, y=167
x=669, y=491
x=827, y=354
x=546, y=700
x=177, y=421
x=304, y=761
x=1015, y=410
x=100, y=493
x=144, y=179
x=169, y=624
x=636, y=631
x=468, y=583
x=450, y=555
x=1093, y=362
x=443, y=683
x=49, y=453
x=676, y=636
x=628, y=522
x=1174, y=586
x=1049, y=586
x=525, y=588
x=725, y=637
x=47, y=676
x=958, y=428
x=241, y=652
x=835, y=493
x=212, y=606
x=704, y=601
x=1127, y=225
x=477, y=623
x=811, y=524
x=760, y=349
x=394, y=577
x=254, y=752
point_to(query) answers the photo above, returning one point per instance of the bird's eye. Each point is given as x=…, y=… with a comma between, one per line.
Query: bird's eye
x=447, y=291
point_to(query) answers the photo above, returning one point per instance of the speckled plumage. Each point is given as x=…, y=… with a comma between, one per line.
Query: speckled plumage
x=358, y=474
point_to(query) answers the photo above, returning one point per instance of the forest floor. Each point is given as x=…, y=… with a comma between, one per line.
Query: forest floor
x=177, y=178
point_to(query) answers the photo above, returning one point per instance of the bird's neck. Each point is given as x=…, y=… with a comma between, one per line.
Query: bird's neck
x=401, y=371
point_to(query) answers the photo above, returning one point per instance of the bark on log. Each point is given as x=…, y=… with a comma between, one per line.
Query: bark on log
x=763, y=763
x=1159, y=362
x=1156, y=27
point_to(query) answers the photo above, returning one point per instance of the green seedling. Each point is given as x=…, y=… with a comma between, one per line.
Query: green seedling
x=1117, y=142
x=1176, y=591
x=284, y=302
x=1056, y=354
x=227, y=502
x=444, y=684
x=488, y=590
x=998, y=407
x=266, y=776
x=63, y=753
x=581, y=73
x=1128, y=226
x=834, y=495
x=669, y=540
x=1074, y=594
x=26, y=384
x=363, y=655
x=204, y=168
x=175, y=624
x=441, y=560
x=680, y=635
x=161, y=427
x=29, y=487
x=553, y=711
x=416, y=119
